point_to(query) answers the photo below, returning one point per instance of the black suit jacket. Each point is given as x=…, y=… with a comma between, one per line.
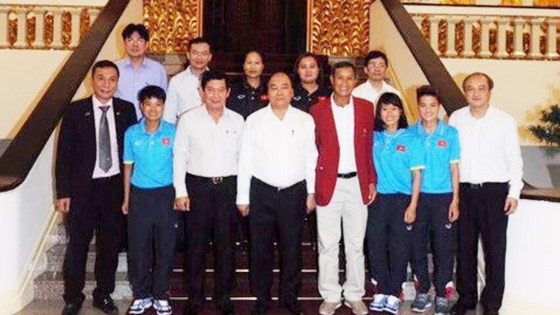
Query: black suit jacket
x=77, y=149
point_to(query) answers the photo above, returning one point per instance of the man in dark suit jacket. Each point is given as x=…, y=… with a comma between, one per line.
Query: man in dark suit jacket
x=344, y=187
x=89, y=186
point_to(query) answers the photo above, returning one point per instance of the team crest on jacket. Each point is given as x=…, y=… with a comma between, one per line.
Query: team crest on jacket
x=401, y=148
x=442, y=143
x=165, y=141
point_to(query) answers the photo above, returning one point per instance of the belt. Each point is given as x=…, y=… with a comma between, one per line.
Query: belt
x=268, y=186
x=212, y=180
x=347, y=175
x=481, y=185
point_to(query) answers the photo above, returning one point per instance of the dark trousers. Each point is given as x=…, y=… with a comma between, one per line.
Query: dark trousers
x=151, y=232
x=96, y=211
x=482, y=214
x=281, y=212
x=212, y=217
x=432, y=221
x=388, y=240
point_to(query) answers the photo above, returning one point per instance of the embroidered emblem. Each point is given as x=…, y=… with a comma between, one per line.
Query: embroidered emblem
x=297, y=98
x=165, y=141
x=401, y=148
x=240, y=96
x=448, y=226
x=87, y=114
x=264, y=97
x=442, y=143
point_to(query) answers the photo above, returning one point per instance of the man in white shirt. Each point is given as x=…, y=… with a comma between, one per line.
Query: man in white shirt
x=375, y=67
x=276, y=182
x=204, y=175
x=183, y=93
x=491, y=171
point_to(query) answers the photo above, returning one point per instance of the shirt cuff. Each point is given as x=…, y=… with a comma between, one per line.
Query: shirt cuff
x=181, y=191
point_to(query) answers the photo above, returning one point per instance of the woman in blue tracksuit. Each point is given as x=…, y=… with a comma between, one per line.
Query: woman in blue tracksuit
x=438, y=208
x=398, y=159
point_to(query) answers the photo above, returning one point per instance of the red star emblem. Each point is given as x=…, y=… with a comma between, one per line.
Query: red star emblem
x=165, y=141
x=401, y=148
x=442, y=143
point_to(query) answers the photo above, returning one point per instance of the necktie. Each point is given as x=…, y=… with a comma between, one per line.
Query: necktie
x=104, y=155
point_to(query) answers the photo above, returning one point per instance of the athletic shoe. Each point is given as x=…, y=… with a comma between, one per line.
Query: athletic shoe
x=378, y=303
x=442, y=306
x=162, y=307
x=139, y=306
x=421, y=303
x=393, y=304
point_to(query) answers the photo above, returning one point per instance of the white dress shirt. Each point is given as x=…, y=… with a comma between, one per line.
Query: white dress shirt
x=182, y=95
x=489, y=148
x=97, y=112
x=205, y=148
x=281, y=153
x=344, y=123
x=367, y=92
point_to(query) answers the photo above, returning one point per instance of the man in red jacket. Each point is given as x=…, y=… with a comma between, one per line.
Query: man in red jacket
x=345, y=181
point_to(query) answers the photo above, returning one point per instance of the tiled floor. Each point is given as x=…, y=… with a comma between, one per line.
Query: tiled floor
x=243, y=308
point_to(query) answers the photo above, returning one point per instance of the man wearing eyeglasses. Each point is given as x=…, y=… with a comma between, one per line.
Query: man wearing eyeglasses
x=136, y=70
x=376, y=65
x=183, y=91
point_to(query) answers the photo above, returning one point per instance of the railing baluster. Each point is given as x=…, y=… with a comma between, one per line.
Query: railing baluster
x=4, y=27
x=39, y=28
x=485, y=37
x=451, y=22
x=21, y=37
x=57, y=28
x=75, y=34
x=434, y=34
x=519, y=24
x=468, y=37
x=535, y=51
x=502, y=39
x=552, y=38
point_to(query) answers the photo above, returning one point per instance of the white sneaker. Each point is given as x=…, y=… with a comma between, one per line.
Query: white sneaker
x=139, y=306
x=378, y=303
x=393, y=304
x=162, y=307
x=328, y=308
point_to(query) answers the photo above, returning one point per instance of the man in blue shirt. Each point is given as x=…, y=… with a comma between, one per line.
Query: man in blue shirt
x=148, y=201
x=438, y=208
x=137, y=70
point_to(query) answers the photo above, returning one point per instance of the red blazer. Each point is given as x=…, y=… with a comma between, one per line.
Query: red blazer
x=329, y=150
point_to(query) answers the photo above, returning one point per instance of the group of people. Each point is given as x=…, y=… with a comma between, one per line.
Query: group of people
x=270, y=153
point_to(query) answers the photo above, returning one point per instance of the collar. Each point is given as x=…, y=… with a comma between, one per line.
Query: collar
x=190, y=72
x=97, y=103
x=350, y=103
x=397, y=133
x=143, y=125
x=439, y=128
x=127, y=61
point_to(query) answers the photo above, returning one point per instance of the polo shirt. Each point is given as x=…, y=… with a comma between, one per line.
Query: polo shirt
x=395, y=156
x=441, y=148
x=151, y=154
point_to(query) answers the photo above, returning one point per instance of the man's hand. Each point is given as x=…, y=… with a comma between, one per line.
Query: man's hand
x=453, y=211
x=372, y=194
x=62, y=205
x=310, y=203
x=243, y=209
x=183, y=203
x=511, y=205
x=124, y=207
x=410, y=214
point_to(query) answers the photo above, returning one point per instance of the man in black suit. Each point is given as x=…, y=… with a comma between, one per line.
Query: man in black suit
x=89, y=186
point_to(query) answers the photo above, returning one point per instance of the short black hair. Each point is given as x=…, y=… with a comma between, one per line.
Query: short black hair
x=474, y=74
x=210, y=75
x=138, y=28
x=374, y=54
x=428, y=90
x=390, y=99
x=198, y=40
x=343, y=64
x=151, y=91
x=104, y=64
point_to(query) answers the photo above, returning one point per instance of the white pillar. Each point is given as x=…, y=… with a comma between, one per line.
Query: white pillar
x=434, y=33
x=535, y=50
x=57, y=28
x=451, y=22
x=552, y=37
x=518, y=51
x=485, y=37
x=468, y=37
x=76, y=15
x=503, y=23
x=39, y=28
x=4, y=27
x=21, y=36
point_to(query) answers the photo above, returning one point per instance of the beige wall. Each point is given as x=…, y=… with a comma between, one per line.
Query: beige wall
x=27, y=73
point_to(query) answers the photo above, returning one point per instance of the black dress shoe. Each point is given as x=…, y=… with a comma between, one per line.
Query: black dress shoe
x=293, y=307
x=226, y=308
x=72, y=308
x=191, y=309
x=106, y=305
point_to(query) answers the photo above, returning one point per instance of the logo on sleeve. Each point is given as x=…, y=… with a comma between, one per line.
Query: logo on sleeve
x=165, y=141
x=401, y=148
x=442, y=143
